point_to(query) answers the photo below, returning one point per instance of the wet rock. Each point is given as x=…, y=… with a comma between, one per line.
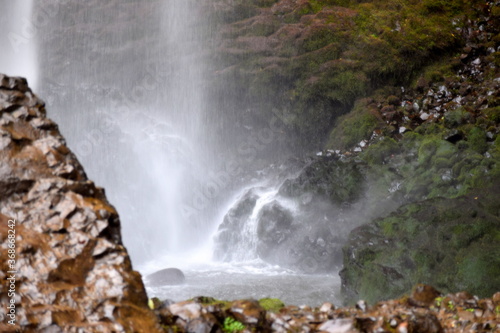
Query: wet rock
x=380, y=258
x=165, y=277
x=248, y=312
x=326, y=177
x=338, y=326
x=206, y=323
x=229, y=236
x=275, y=226
x=423, y=295
x=186, y=311
x=362, y=305
x=427, y=323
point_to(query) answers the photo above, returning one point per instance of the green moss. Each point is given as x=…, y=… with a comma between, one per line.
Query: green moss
x=352, y=128
x=265, y=3
x=231, y=325
x=211, y=301
x=493, y=114
x=456, y=118
x=318, y=5
x=271, y=304
x=438, y=71
x=319, y=38
x=343, y=54
x=479, y=268
x=345, y=86
x=445, y=149
x=427, y=150
x=380, y=151
x=449, y=243
x=373, y=285
x=477, y=140
x=441, y=6
x=389, y=226
x=154, y=303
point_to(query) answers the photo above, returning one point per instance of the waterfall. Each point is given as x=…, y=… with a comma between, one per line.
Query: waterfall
x=18, y=32
x=127, y=92
x=127, y=82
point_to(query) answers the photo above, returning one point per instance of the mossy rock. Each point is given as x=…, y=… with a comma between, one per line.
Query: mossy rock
x=449, y=243
x=271, y=304
x=433, y=149
x=332, y=52
x=340, y=182
x=381, y=151
x=353, y=127
x=477, y=140
x=456, y=118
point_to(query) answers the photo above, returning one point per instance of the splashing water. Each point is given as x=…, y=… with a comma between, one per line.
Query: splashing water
x=128, y=93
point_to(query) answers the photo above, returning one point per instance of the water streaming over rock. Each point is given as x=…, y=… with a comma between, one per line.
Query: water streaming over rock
x=126, y=81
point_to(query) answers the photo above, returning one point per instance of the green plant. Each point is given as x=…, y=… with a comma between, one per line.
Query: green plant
x=232, y=325
x=271, y=304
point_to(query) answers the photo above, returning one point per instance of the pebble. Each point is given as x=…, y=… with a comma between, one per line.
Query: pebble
x=424, y=116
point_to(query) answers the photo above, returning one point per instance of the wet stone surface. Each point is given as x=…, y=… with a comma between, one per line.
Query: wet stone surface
x=435, y=313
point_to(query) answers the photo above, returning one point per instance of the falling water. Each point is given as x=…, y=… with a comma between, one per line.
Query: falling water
x=125, y=82
x=126, y=91
x=18, y=40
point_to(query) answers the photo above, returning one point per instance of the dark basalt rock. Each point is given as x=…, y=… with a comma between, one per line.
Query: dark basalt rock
x=327, y=177
x=275, y=226
x=229, y=235
x=164, y=277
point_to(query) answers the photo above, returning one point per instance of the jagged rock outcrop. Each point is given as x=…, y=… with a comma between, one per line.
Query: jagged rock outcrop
x=69, y=271
x=436, y=147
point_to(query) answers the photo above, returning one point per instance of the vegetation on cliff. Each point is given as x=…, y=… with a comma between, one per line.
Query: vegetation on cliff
x=406, y=92
x=312, y=60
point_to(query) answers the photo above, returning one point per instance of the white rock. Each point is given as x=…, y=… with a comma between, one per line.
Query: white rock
x=416, y=107
x=424, y=116
x=343, y=325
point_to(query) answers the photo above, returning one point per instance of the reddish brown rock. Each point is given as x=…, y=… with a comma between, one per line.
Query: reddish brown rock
x=423, y=295
x=70, y=268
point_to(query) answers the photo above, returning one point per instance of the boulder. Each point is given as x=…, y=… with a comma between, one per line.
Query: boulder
x=165, y=277
x=230, y=238
x=450, y=243
x=69, y=269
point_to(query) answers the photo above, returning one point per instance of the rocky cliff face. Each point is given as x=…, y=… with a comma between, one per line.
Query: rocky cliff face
x=61, y=249
x=419, y=85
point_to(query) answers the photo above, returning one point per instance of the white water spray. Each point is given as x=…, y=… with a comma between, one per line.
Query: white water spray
x=127, y=93
x=18, y=50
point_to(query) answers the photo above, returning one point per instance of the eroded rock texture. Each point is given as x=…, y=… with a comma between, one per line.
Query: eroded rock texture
x=72, y=272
